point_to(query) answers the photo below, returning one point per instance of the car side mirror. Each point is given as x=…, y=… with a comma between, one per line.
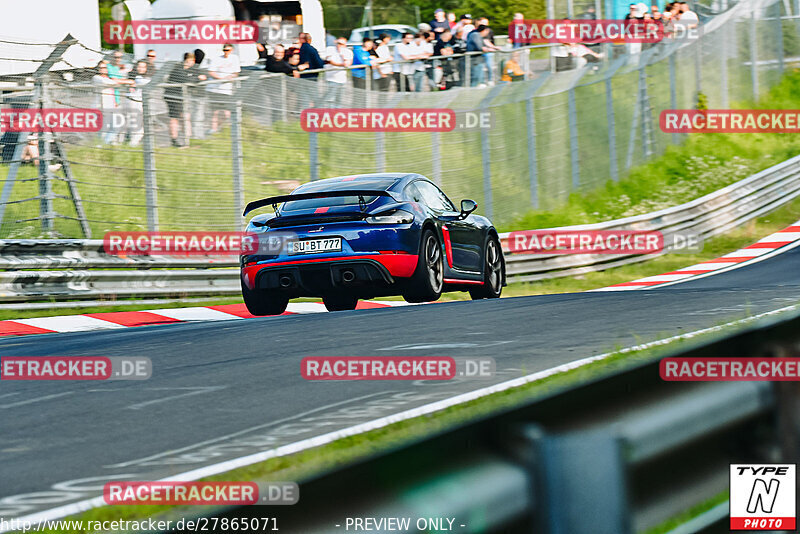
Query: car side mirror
x=467, y=207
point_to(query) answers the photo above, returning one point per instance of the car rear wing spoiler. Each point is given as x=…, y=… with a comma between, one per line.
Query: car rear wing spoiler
x=274, y=201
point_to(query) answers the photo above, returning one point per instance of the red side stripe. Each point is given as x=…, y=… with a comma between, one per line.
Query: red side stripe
x=448, y=246
x=11, y=328
x=135, y=318
x=454, y=281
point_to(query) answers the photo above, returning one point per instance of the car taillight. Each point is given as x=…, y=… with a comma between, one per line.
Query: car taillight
x=391, y=217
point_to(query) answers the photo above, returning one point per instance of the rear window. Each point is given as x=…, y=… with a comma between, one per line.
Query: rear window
x=379, y=184
x=313, y=203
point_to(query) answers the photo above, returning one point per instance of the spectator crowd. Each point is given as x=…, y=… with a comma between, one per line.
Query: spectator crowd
x=431, y=59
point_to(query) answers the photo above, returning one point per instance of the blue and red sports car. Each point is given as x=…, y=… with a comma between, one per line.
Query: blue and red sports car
x=364, y=236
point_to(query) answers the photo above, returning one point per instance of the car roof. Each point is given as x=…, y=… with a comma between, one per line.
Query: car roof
x=393, y=181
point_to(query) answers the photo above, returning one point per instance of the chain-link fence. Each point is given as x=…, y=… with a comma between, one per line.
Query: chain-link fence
x=199, y=151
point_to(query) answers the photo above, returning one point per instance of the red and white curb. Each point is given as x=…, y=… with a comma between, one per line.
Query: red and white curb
x=778, y=242
x=115, y=320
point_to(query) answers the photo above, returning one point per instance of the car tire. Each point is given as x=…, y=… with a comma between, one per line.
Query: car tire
x=339, y=302
x=494, y=271
x=427, y=282
x=261, y=302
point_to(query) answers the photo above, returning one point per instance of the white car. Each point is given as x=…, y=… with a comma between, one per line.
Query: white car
x=395, y=31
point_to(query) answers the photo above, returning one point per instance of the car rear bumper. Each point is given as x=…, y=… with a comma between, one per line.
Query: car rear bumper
x=315, y=276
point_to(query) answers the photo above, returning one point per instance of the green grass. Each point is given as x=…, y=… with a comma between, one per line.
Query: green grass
x=701, y=165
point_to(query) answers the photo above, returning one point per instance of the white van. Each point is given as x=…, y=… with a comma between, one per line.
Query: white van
x=291, y=16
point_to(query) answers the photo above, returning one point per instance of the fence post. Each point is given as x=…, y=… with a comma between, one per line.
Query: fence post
x=238, y=161
x=313, y=156
x=779, y=36
x=149, y=154
x=46, y=215
x=468, y=71
x=612, y=134
x=284, y=99
x=698, y=66
x=573, y=139
x=380, y=151
x=753, y=55
x=723, y=79
x=45, y=182
x=533, y=171
x=436, y=159
x=673, y=91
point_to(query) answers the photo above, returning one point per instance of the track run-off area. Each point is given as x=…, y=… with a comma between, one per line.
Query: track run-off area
x=228, y=393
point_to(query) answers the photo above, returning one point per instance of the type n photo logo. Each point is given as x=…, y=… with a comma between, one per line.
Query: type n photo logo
x=763, y=496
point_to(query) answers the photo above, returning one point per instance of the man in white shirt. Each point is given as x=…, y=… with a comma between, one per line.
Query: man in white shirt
x=384, y=56
x=417, y=48
x=403, y=51
x=338, y=58
x=224, y=67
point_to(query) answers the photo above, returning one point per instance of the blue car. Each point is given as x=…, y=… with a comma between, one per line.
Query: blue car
x=364, y=236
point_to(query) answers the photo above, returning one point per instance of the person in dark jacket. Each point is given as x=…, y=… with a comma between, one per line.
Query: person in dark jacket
x=278, y=62
x=309, y=57
x=183, y=74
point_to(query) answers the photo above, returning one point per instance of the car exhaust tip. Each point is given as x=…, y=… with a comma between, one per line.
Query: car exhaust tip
x=285, y=280
x=348, y=275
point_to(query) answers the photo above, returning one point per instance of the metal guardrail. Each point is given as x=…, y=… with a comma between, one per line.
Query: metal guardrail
x=79, y=269
x=620, y=454
x=707, y=216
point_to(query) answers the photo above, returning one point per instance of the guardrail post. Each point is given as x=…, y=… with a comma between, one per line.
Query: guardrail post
x=468, y=70
x=238, y=161
x=612, y=134
x=573, y=139
x=436, y=159
x=753, y=55
x=673, y=91
x=533, y=170
x=149, y=154
x=582, y=471
x=313, y=156
x=779, y=36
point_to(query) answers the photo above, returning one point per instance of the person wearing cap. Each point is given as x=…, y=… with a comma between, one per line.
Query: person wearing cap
x=466, y=24
x=439, y=22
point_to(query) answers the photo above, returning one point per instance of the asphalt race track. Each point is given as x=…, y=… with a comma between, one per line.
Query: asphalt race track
x=226, y=389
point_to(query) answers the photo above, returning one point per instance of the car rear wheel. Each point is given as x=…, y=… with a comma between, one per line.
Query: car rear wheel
x=339, y=302
x=428, y=279
x=262, y=302
x=493, y=272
